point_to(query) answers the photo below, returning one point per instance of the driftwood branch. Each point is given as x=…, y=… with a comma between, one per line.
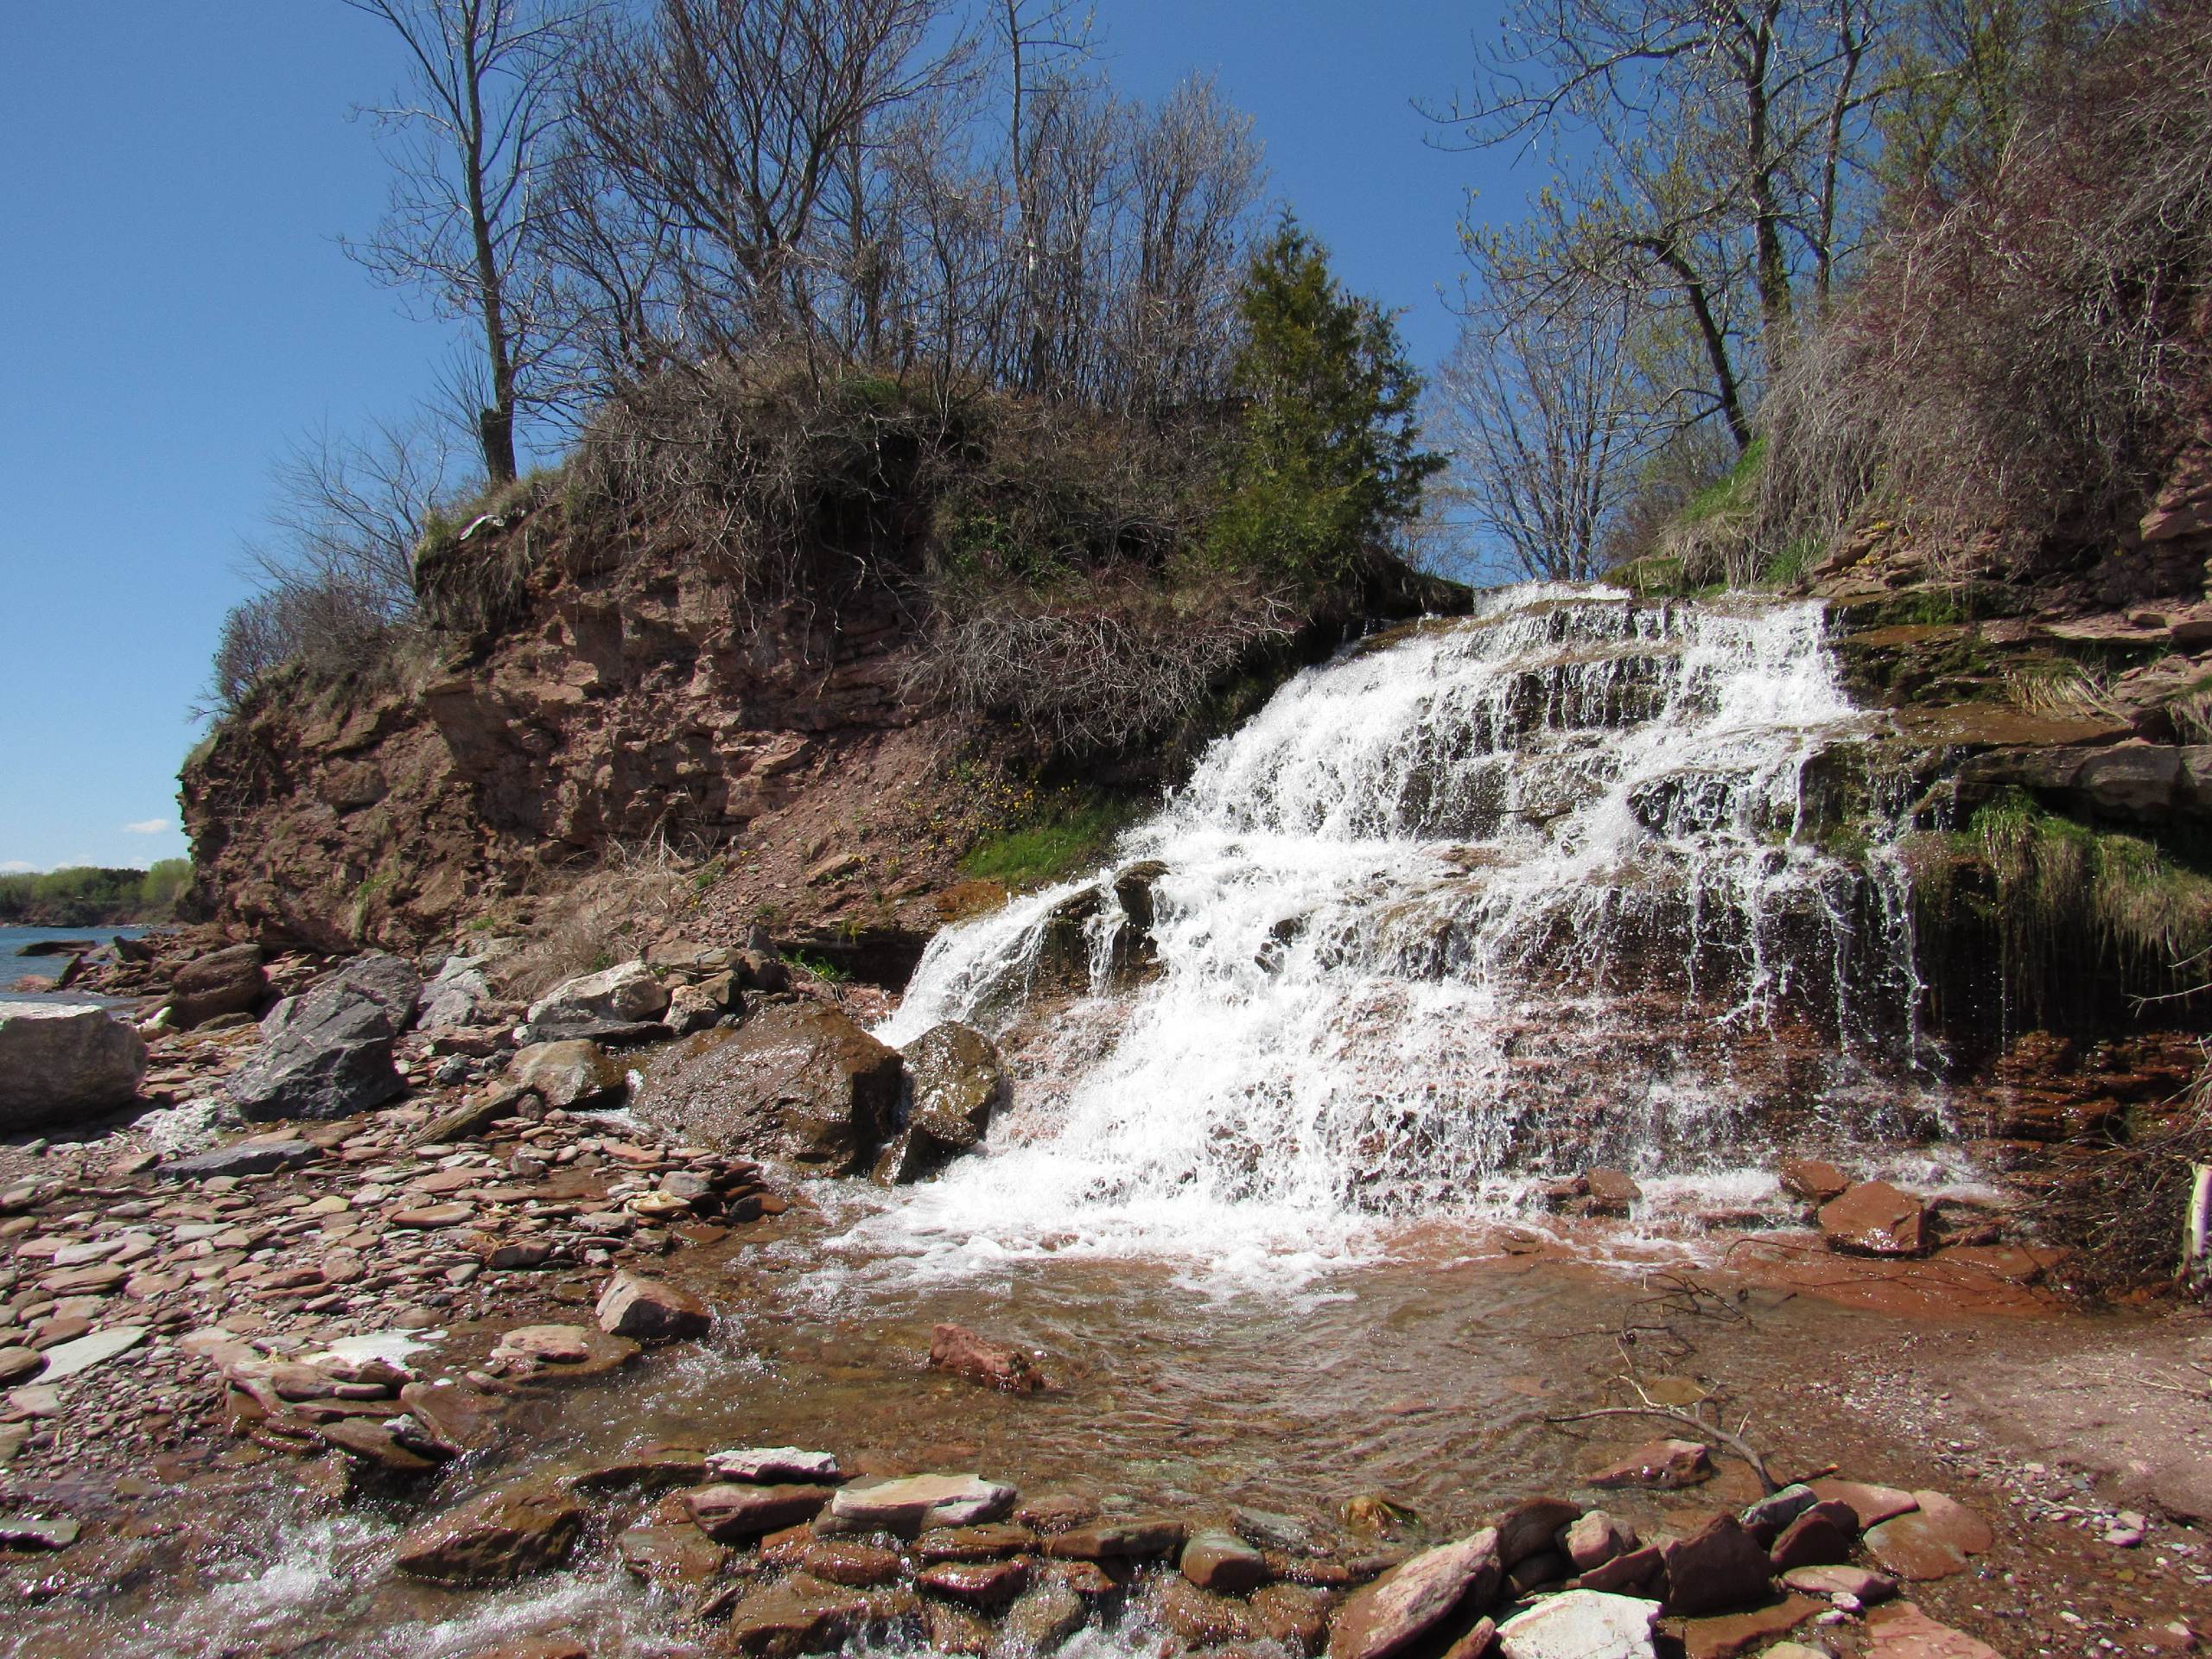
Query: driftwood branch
x=1708, y=1428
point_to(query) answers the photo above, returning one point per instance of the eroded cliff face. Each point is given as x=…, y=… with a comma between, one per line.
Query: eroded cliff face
x=628, y=709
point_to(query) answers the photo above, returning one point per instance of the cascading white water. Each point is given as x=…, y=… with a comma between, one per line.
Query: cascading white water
x=1498, y=898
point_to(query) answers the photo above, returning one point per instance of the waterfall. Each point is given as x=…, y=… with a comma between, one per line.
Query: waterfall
x=1581, y=879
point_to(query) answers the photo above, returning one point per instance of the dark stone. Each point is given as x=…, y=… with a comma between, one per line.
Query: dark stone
x=229, y=980
x=248, y=1158
x=328, y=1052
x=1719, y=1567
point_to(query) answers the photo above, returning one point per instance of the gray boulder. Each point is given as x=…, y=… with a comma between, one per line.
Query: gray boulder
x=797, y=1080
x=454, y=996
x=60, y=1061
x=327, y=1053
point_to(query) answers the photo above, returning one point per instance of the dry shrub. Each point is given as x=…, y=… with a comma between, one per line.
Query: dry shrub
x=605, y=917
x=2119, y=1209
x=1094, y=665
x=2019, y=361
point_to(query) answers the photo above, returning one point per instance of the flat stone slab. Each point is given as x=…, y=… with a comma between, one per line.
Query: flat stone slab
x=247, y=1158
x=771, y=1465
x=1901, y=1630
x=920, y=1501
x=1582, y=1624
x=68, y=1358
x=28, y=1532
x=1871, y=1504
x=1932, y=1541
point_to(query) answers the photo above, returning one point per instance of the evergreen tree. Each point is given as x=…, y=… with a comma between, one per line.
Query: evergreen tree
x=1330, y=463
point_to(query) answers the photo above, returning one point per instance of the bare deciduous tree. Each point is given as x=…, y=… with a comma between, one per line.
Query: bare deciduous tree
x=467, y=136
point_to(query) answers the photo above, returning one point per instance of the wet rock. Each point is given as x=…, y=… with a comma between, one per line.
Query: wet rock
x=957, y=1083
x=985, y=1585
x=1719, y=1567
x=1582, y=1624
x=625, y=995
x=1043, y=1620
x=797, y=1080
x=453, y=1415
x=1901, y=1630
x=917, y=1503
x=229, y=980
x=800, y=1616
x=834, y=1561
x=380, y=1445
x=1667, y=1463
x=653, y=1469
x=697, y=1008
x=995, y=1364
x=1393, y=1612
x=1840, y=1579
x=1871, y=1504
x=1592, y=1539
x=673, y=1556
x=767, y=1464
x=1530, y=1527
x=1819, y=1536
x=16, y=1364
x=1813, y=1180
x=62, y=1062
x=1933, y=1542
x=244, y=1158
x=1611, y=1191
x=1139, y=1539
x=1214, y=1559
x=505, y=1533
x=650, y=1310
x=1875, y=1218
x=731, y=1511
x=576, y=1075
x=556, y=1353
x=1199, y=1617
x=328, y=1053
x=1294, y=1615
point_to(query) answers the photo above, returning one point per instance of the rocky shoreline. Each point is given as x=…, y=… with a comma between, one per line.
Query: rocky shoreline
x=450, y=1229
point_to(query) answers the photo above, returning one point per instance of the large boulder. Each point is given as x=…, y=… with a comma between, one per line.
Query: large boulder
x=327, y=1053
x=229, y=980
x=608, y=1006
x=797, y=1081
x=572, y=1074
x=65, y=1060
x=454, y=997
x=956, y=1084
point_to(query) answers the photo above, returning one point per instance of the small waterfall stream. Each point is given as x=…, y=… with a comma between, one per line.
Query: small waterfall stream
x=1486, y=901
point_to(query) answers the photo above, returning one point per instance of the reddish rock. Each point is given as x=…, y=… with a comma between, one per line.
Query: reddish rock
x=1118, y=1541
x=918, y=1502
x=1719, y=1567
x=670, y=1556
x=995, y=1364
x=503, y=1535
x=1933, y=1542
x=1875, y=1218
x=230, y=981
x=1199, y=1616
x=1399, y=1609
x=837, y=1561
x=1728, y=1634
x=1820, y=1536
x=1293, y=1615
x=1901, y=1630
x=1612, y=1192
x=730, y=1512
x=1871, y=1504
x=1592, y=1539
x=800, y=1616
x=650, y=1310
x=1631, y=1570
x=1814, y=1181
x=985, y=1585
x=984, y=1543
x=1222, y=1561
x=1669, y=1464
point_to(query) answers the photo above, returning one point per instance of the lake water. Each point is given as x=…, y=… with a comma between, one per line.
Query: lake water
x=14, y=967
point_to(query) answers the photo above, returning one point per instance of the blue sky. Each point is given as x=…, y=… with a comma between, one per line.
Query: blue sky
x=174, y=310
